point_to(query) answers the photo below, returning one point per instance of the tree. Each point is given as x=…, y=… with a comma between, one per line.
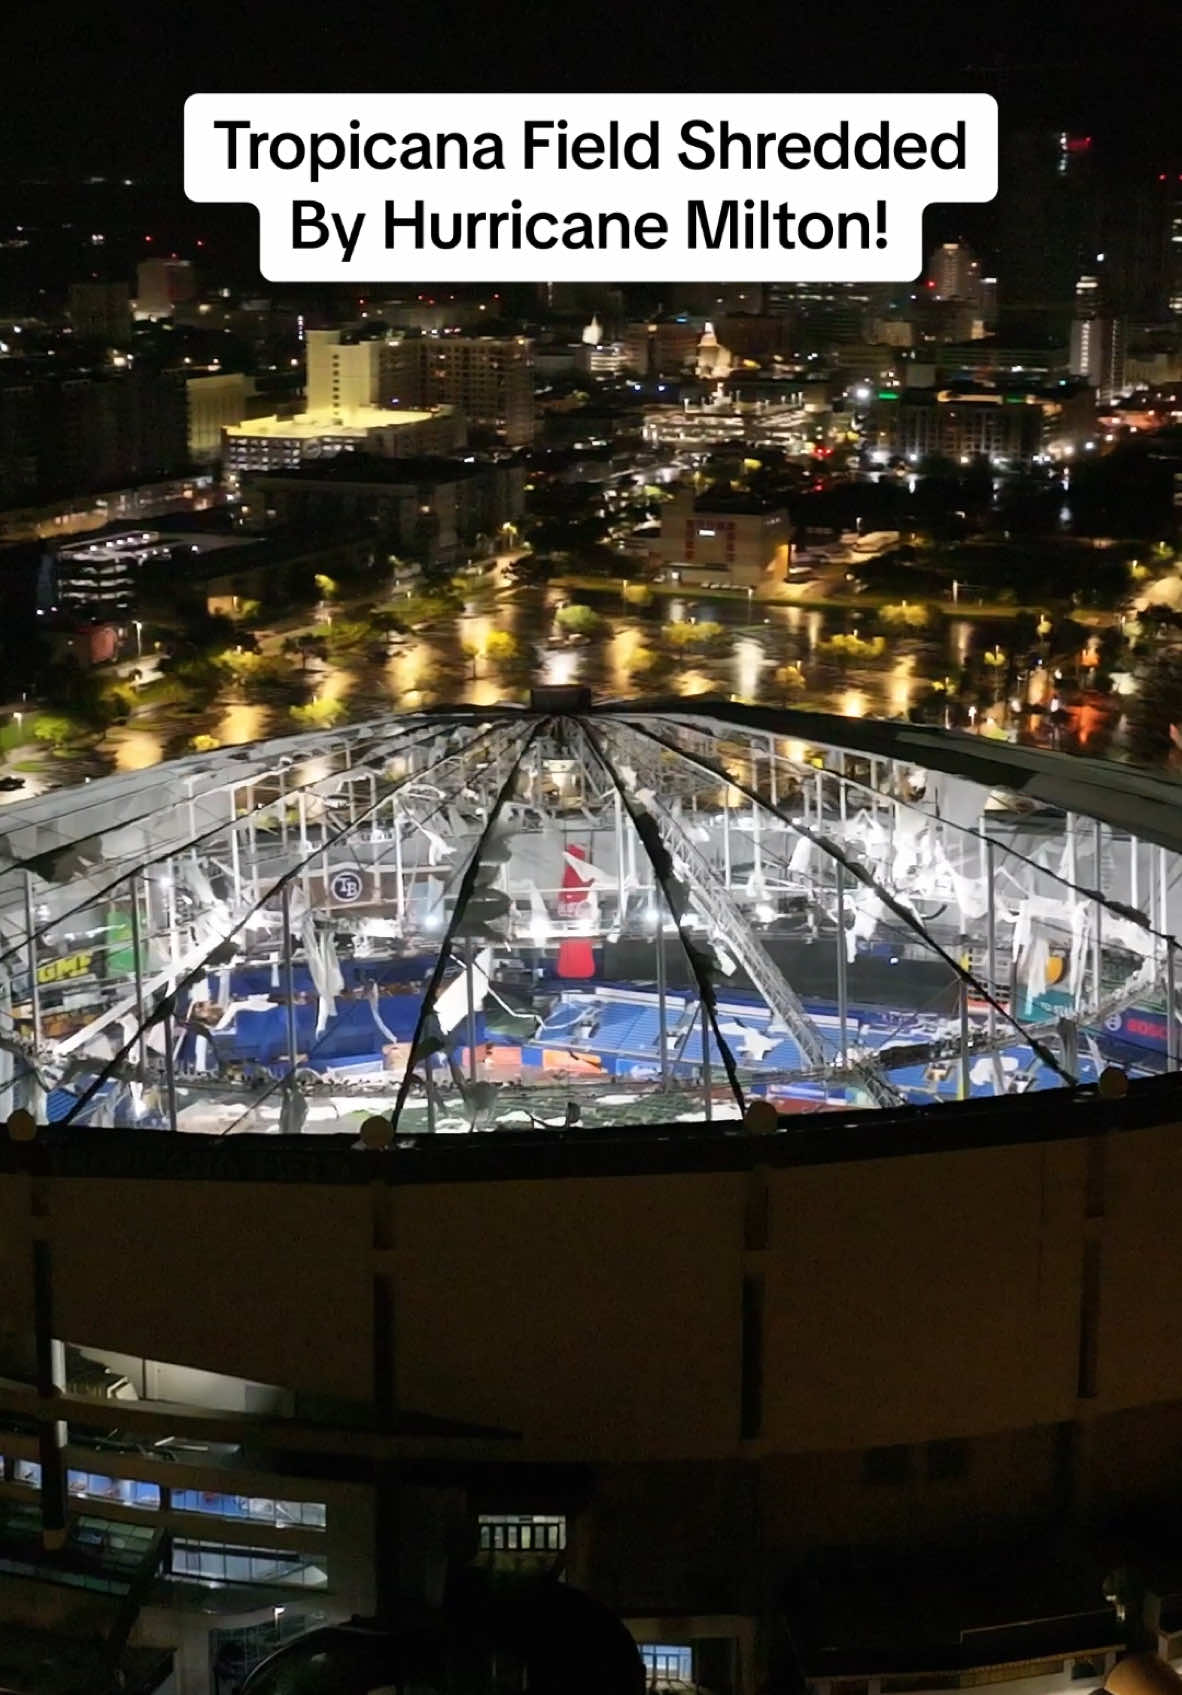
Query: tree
x=789, y=679
x=682, y=633
x=239, y=662
x=56, y=729
x=501, y=647
x=578, y=619
x=847, y=645
x=308, y=647
x=639, y=594
x=905, y=615
x=318, y=714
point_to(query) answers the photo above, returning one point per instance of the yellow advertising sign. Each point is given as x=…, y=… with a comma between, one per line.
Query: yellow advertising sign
x=70, y=965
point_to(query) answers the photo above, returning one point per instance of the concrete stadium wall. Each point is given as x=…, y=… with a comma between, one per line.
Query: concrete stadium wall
x=601, y=1317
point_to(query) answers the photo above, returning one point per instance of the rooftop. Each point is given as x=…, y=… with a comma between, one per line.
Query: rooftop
x=349, y=421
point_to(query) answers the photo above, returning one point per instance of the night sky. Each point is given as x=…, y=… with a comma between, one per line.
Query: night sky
x=89, y=92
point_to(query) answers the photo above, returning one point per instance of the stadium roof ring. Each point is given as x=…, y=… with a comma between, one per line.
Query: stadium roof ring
x=602, y=915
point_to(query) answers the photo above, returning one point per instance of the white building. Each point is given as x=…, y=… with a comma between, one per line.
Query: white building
x=277, y=444
x=162, y=285
x=342, y=375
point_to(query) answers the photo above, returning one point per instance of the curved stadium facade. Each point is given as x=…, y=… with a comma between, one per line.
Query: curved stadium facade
x=724, y=1158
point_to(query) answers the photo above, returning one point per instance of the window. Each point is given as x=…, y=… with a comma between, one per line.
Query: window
x=220, y=1562
x=886, y=1465
x=127, y=1491
x=259, y=1509
x=522, y=1533
x=666, y=1663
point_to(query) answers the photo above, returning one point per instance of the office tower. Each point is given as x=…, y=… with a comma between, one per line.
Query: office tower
x=162, y=285
x=954, y=274
x=1098, y=354
x=100, y=311
x=1098, y=337
x=827, y=314
x=989, y=302
x=1049, y=216
x=487, y=378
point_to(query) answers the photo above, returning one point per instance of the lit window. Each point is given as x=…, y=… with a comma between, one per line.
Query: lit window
x=522, y=1533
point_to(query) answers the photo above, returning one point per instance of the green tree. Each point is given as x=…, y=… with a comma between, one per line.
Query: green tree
x=501, y=647
x=579, y=619
x=318, y=714
x=905, y=615
x=789, y=679
x=56, y=729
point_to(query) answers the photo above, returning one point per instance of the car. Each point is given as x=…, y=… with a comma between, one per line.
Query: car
x=8, y=784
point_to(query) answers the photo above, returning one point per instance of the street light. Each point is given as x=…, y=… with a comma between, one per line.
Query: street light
x=139, y=638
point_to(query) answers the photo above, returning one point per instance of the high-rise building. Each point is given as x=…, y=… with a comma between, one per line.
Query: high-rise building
x=100, y=311
x=162, y=285
x=1097, y=350
x=827, y=314
x=1049, y=216
x=1141, y=242
x=1098, y=354
x=487, y=378
x=84, y=433
x=954, y=274
x=989, y=302
x=342, y=375
x=1088, y=297
x=19, y=460
x=401, y=373
x=1174, y=260
x=214, y=400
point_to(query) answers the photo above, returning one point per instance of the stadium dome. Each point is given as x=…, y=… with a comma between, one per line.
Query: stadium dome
x=510, y=918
